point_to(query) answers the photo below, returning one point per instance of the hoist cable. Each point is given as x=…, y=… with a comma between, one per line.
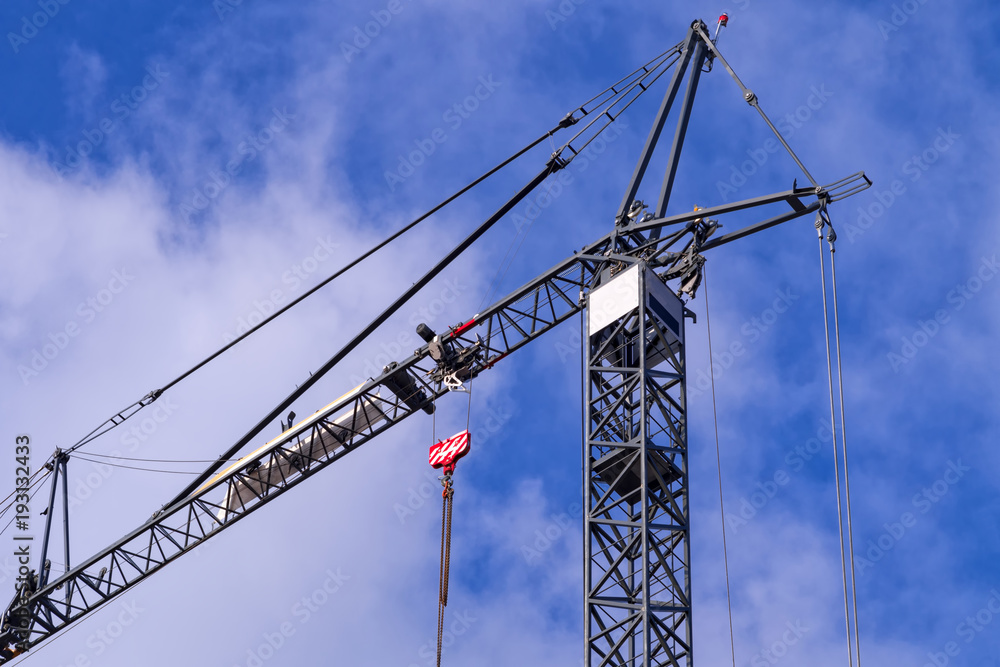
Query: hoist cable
x=129, y=458
x=555, y=163
x=468, y=416
x=843, y=438
x=570, y=119
x=552, y=166
x=645, y=69
x=751, y=98
x=111, y=423
x=31, y=485
x=612, y=117
x=650, y=71
x=38, y=487
x=119, y=465
x=718, y=459
x=833, y=430
x=447, y=506
x=32, y=480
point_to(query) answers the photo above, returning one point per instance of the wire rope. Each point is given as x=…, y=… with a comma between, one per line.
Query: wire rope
x=129, y=458
x=119, y=465
x=833, y=432
x=831, y=239
x=30, y=498
x=567, y=121
x=718, y=459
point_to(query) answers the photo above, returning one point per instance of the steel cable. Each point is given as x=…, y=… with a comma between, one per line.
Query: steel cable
x=833, y=432
x=831, y=238
x=718, y=459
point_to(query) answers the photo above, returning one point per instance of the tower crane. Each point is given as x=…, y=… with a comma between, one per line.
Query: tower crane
x=631, y=283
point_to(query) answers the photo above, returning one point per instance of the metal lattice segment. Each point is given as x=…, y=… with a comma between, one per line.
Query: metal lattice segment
x=638, y=589
x=302, y=451
x=322, y=439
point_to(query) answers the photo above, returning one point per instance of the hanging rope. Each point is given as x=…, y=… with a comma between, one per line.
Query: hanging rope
x=820, y=224
x=831, y=240
x=718, y=459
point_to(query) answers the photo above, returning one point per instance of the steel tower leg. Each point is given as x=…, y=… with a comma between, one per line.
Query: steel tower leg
x=637, y=547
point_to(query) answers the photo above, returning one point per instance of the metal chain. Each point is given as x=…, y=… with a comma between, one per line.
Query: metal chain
x=446, y=509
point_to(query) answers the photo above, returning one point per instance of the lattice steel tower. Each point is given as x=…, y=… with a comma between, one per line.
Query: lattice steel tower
x=637, y=519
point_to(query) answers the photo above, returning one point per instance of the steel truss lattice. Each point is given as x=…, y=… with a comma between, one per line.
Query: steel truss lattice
x=637, y=518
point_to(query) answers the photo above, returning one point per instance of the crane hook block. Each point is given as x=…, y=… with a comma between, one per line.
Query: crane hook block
x=446, y=453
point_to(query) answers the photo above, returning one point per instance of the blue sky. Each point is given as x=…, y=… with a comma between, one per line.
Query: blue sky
x=117, y=127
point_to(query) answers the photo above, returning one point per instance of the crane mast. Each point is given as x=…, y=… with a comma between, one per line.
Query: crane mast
x=637, y=592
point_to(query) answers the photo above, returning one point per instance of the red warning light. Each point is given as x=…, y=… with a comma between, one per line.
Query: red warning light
x=724, y=20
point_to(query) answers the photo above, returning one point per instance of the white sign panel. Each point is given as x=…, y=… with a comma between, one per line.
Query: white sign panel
x=611, y=301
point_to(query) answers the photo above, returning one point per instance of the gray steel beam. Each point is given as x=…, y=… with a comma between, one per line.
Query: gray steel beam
x=698, y=60
x=658, y=123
